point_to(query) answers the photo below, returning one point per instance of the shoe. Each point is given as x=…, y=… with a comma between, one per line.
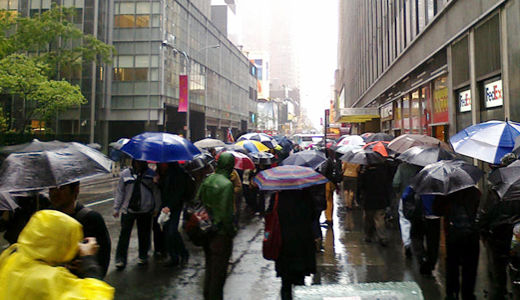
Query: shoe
x=142, y=261
x=120, y=265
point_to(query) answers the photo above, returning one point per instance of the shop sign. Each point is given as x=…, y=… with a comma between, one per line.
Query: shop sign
x=440, y=106
x=465, y=101
x=493, y=94
x=387, y=112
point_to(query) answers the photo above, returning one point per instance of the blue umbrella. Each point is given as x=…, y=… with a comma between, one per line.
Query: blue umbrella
x=488, y=141
x=160, y=147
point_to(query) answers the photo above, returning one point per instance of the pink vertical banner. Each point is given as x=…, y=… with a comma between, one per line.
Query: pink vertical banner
x=183, y=93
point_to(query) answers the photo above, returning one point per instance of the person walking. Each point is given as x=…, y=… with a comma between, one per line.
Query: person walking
x=137, y=199
x=375, y=189
x=462, y=241
x=216, y=193
x=350, y=177
x=64, y=199
x=297, y=258
x=332, y=170
x=38, y=266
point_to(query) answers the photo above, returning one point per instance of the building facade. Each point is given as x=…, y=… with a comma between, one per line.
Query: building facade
x=139, y=90
x=427, y=66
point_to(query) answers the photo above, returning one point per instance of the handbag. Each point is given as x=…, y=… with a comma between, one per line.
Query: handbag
x=198, y=224
x=272, y=243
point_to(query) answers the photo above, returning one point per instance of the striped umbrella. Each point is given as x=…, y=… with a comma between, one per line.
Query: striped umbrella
x=288, y=178
x=260, y=137
x=253, y=146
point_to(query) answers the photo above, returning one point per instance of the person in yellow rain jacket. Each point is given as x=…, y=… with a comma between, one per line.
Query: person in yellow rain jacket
x=37, y=266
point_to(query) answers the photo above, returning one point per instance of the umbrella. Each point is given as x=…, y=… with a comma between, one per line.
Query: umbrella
x=347, y=148
x=7, y=202
x=309, y=158
x=286, y=144
x=260, y=137
x=209, y=143
x=446, y=177
x=380, y=147
x=199, y=161
x=288, y=178
x=34, y=146
x=380, y=136
x=160, y=147
x=119, y=143
x=242, y=161
x=262, y=158
x=52, y=168
x=237, y=148
x=253, y=146
x=487, y=141
x=363, y=157
x=516, y=149
x=425, y=154
x=507, y=182
x=367, y=134
x=407, y=141
x=351, y=140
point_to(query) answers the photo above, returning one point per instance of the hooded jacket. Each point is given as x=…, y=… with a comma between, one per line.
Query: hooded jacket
x=33, y=267
x=216, y=193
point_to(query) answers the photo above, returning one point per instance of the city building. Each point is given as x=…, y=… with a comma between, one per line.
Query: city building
x=156, y=41
x=427, y=66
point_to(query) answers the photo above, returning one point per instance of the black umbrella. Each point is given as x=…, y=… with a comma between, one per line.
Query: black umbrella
x=380, y=136
x=44, y=169
x=33, y=146
x=7, y=202
x=309, y=158
x=516, y=149
x=446, y=177
x=262, y=158
x=363, y=157
x=507, y=182
x=425, y=154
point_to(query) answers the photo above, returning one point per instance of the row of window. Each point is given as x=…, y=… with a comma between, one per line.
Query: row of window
x=137, y=21
x=140, y=8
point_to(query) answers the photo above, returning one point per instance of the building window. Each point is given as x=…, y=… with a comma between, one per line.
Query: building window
x=130, y=74
x=142, y=21
x=124, y=21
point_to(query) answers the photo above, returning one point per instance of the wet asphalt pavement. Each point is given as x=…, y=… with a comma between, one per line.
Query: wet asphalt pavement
x=346, y=259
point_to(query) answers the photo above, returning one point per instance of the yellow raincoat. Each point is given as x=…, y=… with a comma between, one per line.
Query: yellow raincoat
x=32, y=268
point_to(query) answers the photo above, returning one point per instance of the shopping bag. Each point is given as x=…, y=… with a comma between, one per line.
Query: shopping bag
x=272, y=243
x=198, y=224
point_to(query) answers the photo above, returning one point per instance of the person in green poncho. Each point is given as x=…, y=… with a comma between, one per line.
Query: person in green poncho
x=216, y=193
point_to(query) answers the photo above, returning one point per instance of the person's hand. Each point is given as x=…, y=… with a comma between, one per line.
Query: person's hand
x=88, y=247
x=116, y=214
x=166, y=209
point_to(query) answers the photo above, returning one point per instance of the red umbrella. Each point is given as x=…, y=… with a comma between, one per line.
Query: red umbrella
x=242, y=161
x=379, y=146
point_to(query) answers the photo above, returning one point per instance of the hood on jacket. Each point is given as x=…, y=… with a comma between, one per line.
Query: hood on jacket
x=225, y=164
x=50, y=236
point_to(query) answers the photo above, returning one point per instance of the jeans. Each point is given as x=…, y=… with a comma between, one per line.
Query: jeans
x=144, y=228
x=158, y=237
x=405, y=226
x=174, y=243
x=462, y=251
x=217, y=251
x=429, y=231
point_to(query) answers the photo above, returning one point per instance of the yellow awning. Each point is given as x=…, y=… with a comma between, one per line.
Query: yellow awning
x=357, y=115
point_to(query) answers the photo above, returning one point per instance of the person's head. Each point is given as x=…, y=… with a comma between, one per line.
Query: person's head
x=64, y=196
x=225, y=164
x=139, y=165
x=162, y=168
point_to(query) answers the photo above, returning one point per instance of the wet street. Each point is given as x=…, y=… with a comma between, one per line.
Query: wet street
x=346, y=259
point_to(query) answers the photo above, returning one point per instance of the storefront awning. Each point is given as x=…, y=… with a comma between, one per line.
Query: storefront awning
x=357, y=115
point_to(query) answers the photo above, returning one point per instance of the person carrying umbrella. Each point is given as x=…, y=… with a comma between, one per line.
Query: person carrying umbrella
x=216, y=193
x=332, y=170
x=137, y=199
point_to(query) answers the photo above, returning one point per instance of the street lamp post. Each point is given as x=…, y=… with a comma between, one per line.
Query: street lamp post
x=188, y=68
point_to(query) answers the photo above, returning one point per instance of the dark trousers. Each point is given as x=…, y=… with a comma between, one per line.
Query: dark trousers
x=374, y=224
x=174, y=243
x=250, y=196
x=144, y=227
x=498, y=260
x=462, y=251
x=217, y=251
x=426, y=231
x=158, y=237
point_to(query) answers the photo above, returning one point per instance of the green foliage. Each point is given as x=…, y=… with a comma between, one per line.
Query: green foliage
x=20, y=75
x=55, y=96
x=3, y=121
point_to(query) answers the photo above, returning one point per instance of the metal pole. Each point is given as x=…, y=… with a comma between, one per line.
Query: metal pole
x=93, y=75
x=188, y=135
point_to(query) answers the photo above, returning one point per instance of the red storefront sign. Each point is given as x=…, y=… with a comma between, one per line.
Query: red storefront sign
x=183, y=93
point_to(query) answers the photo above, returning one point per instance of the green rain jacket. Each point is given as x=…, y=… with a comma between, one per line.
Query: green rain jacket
x=216, y=193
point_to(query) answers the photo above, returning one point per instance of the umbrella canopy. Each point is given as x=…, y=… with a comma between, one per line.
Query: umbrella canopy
x=516, y=148
x=199, y=161
x=260, y=137
x=363, y=157
x=380, y=147
x=288, y=178
x=253, y=146
x=33, y=146
x=446, y=177
x=347, y=148
x=425, y=155
x=160, y=147
x=351, y=140
x=407, y=141
x=262, y=158
x=286, y=144
x=7, y=202
x=119, y=143
x=488, y=141
x=507, y=181
x=209, y=143
x=44, y=169
x=310, y=158
x=380, y=136
x=367, y=134
x=237, y=148
x=242, y=161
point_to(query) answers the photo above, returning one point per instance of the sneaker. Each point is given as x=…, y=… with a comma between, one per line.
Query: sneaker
x=120, y=265
x=142, y=261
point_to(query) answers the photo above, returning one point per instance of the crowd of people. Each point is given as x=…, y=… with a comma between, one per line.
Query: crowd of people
x=155, y=196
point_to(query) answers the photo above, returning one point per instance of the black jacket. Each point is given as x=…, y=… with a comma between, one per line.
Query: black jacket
x=375, y=187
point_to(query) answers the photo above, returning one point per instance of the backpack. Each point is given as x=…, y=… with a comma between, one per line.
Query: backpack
x=198, y=224
x=412, y=205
